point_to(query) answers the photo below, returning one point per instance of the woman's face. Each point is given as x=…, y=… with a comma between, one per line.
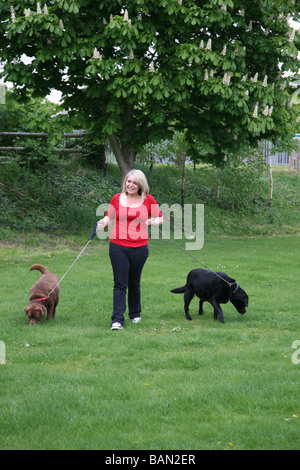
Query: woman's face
x=131, y=185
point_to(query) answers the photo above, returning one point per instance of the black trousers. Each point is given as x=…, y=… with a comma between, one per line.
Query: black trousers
x=127, y=264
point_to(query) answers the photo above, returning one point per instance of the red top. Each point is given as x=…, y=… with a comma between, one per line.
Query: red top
x=130, y=229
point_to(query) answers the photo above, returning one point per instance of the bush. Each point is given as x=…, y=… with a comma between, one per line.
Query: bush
x=93, y=154
x=52, y=198
x=55, y=198
x=242, y=207
x=36, y=156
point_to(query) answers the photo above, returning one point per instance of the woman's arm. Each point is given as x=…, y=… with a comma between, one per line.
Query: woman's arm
x=156, y=217
x=110, y=214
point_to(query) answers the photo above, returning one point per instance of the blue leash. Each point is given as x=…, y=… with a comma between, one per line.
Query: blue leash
x=93, y=234
x=94, y=231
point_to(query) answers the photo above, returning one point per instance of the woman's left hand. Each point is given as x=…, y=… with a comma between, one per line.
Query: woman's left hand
x=151, y=221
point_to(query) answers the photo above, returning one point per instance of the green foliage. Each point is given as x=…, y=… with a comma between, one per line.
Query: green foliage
x=166, y=150
x=36, y=156
x=52, y=198
x=65, y=197
x=12, y=117
x=235, y=198
x=93, y=154
x=36, y=115
x=138, y=71
x=30, y=115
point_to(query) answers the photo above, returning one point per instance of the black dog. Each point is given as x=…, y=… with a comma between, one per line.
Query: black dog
x=208, y=286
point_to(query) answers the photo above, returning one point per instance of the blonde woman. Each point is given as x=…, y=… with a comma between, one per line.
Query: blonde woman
x=132, y=211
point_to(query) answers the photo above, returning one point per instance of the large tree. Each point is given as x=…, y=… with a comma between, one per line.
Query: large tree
x=137, y=70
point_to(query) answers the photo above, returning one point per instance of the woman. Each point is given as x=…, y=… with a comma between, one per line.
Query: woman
x=132, y=210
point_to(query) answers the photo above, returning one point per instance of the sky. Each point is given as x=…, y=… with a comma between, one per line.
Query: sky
x=54, y=96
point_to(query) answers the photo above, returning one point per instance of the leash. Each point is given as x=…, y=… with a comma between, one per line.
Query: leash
x=93, y=234
x=230, y=284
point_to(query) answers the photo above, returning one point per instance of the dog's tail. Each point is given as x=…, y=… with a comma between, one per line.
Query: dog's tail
x=179, y=290
x=39, y=267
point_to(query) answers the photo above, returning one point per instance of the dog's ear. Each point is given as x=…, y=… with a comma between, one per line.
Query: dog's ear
x=42, y=311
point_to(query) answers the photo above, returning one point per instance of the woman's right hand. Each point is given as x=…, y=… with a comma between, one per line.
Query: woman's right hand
x=101, y=224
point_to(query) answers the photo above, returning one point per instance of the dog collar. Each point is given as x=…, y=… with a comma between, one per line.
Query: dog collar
x=42, y=298
x=235, y=289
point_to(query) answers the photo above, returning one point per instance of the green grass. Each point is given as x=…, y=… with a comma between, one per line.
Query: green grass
x=165, y=383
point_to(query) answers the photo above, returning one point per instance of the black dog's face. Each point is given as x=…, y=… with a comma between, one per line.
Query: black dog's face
x=240, y=300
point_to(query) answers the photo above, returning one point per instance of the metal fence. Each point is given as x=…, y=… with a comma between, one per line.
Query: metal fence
x=277, y=158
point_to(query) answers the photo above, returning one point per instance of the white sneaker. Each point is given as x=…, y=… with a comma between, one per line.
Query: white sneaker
x=117, y=326
x=136, y=320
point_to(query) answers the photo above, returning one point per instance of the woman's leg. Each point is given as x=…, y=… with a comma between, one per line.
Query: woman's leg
x=137, y=258
x=121, y=266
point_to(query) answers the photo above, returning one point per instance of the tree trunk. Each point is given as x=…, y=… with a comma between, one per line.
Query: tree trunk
x=125, y=156
x=122, y=145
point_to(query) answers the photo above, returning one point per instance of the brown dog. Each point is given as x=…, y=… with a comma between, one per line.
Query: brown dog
x=39, y=302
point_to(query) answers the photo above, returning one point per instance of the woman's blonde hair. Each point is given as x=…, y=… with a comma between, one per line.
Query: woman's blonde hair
x=140, y=179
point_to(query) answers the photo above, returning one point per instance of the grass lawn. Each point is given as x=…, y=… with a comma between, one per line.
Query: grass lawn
x=165, y=383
